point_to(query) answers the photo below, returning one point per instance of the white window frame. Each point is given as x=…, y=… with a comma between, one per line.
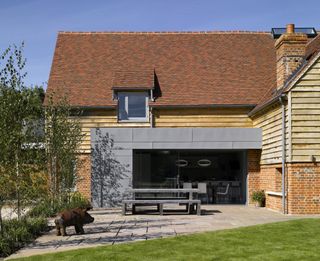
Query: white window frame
x=126, y=99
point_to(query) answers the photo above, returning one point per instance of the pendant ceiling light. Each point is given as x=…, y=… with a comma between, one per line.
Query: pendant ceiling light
x=181, y=163
x=204, y=163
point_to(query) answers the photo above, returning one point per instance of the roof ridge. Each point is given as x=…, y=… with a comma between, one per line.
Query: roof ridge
x=166, y=32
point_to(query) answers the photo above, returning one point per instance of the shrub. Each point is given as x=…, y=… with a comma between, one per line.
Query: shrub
x=17, y=233
x=77, y=201
x=259, y=197
x=37, y=225
x=5, y=247
x=45, y=208
x=49, y=207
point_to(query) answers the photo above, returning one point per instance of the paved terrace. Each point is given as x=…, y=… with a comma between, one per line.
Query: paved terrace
x=111, y=228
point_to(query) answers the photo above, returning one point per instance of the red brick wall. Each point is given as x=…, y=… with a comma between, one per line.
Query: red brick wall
x=274, y=202
x=84, y=176
x=304, y=188
x=290, y=49
x=253, y=178
x=271, y=180
x=302, y=183
x=264, y=177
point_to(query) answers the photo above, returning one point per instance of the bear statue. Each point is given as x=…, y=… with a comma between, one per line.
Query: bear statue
x=76, y=217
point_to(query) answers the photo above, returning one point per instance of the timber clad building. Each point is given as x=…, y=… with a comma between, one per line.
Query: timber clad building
x=237, y=108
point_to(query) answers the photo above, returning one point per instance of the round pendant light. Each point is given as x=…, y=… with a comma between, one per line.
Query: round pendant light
x=181, y=163
x=204, y=163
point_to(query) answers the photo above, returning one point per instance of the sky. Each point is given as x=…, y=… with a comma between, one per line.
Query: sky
x=37, y=22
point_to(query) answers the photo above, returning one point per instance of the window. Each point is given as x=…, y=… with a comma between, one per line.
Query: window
x=133, y=106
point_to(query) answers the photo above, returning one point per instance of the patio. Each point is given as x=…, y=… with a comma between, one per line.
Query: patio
x=110, y=227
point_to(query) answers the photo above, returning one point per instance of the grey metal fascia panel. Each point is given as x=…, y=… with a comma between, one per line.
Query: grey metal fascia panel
x=192, y=145
x=227, y=134
x=162, y=135
x=246, y=145
x=183, y=138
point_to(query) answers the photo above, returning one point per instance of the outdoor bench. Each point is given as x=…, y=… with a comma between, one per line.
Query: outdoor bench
x=160, y=202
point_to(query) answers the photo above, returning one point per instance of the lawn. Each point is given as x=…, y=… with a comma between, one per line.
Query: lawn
x=292, y=240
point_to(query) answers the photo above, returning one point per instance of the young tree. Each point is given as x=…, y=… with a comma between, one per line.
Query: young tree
x=20, y=110
x=63, y=137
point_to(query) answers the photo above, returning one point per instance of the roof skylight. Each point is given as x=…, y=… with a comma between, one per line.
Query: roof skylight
x=309, y=31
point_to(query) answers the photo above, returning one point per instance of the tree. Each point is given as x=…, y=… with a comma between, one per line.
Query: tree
x=63, y=138
x=20, y=110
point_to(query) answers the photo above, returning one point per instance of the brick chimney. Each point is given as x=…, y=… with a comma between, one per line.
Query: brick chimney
x=290, y=51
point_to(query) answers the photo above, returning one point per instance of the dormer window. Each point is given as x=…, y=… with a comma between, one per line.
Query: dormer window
x=133, y=89
x=133, y=106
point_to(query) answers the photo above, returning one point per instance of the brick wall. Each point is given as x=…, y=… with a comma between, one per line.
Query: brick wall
x=290, y=49
x=304, y=188
x=264, y=177
x=84, y=176
x=253, y=157
x=271, y=180
x=302, y=184
x=274, y=202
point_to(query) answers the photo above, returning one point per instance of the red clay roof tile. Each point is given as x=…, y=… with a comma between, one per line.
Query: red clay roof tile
x=133, y=80
x=204, y=68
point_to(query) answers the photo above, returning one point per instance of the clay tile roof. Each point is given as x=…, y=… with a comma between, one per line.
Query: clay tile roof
x=192, y=68
x=313, y=46
x=133, y=80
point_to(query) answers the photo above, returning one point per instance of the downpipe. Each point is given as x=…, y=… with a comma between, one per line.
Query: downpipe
x=282, y=100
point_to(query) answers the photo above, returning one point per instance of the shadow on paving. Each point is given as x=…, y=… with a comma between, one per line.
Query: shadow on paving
x=116, y=229
x=107, y=212
x=103, y=239
x=172, y=212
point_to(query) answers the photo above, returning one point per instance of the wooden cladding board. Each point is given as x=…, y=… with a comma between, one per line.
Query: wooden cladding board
x=202, y=117
x=271, y=124
x=302, y=126
x=102, y=119
x=305, y=116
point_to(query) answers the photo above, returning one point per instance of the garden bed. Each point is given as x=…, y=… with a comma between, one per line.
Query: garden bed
x=17, y=233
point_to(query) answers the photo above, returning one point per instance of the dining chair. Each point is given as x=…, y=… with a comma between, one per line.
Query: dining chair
x=187, y=185
x=223, y=194
x=202, y=187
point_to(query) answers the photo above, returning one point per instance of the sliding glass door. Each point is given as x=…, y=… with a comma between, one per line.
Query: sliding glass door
x=180, y=168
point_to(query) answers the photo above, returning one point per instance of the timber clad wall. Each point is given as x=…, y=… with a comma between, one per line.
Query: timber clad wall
x=102, y=119
x=271, y=124
x=302, y=141
x=205, y=118
x=305, y=116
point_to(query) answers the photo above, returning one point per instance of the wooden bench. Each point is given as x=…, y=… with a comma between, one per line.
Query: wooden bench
x=159, y=203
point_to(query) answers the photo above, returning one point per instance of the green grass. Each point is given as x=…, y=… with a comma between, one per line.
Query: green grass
x=292, y=240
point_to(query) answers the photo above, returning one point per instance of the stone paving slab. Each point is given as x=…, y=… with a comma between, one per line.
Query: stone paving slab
x=110, y=227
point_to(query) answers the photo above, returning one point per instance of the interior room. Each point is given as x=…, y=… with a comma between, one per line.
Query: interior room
x=220, y=175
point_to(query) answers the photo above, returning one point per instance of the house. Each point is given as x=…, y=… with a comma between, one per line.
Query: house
x=238, y=108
